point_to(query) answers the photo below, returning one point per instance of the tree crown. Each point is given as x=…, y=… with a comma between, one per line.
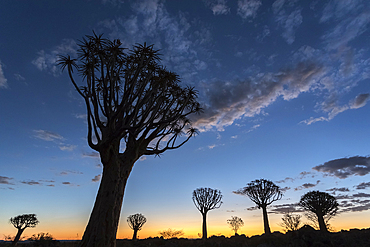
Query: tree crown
x=319, y=203
x=235, y=223
x=136, y=221
x=262, y=192
x=206, y=199
x=129, y=96
x=23, y=221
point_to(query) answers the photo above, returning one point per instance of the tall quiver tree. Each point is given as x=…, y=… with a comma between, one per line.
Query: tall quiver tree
x=21, y=222
x=262, y=192
x=136, y=222
x=321, y=204
x=206, y=199
x=134, y=107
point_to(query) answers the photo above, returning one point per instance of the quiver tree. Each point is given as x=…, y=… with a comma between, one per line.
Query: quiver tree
x=235, y=223
x=135, y=107
x=21, y=222
x=321, y=204
x=206, y=199
x=262, y=192
x=136, y=222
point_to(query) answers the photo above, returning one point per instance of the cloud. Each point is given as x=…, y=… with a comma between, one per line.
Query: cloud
x=285, y=180
x=47, y=135
x=345, y=167
x=307, y=186
x=248, y=8
x=228, y=101
x=362, y=186
x=18, y=77
x=359, y=101
x=218, y=7
x=96, y=178
x=67, y=147
x=343, y=189
x=47, y=61
x=91, y=155
x=3, y=80
x=286, y=208
x=6, y=180
x=66, y=183
x=290, y=24
x=67, y=172
x=361, y=195
x=32, y=182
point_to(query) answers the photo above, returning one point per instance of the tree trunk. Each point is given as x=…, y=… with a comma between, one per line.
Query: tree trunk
x=266, y=221
x=134, y=237
x=204, y=228
x=18, y=236
x=321, y=221
x=103, y=224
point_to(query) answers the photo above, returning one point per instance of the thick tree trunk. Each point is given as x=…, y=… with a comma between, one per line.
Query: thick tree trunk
x=134, y=237
x=204, y=226
x=18, y=236
x=266, y=221
x=103, y=224
x=321, y=221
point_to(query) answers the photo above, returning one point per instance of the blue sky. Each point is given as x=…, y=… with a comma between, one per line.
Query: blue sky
x=284, y=85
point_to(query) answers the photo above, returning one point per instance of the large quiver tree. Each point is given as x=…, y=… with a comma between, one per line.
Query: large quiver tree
x=133, y=104
x=21, y=222
x=321, y=204
x=263, y=193
x=206, y=199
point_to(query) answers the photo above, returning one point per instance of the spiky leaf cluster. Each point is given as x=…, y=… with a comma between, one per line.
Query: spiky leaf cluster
x=24, y=221
x=129, y=96
x=320, y=203
x=136, y=221
x=262, y=192
x=206, y=199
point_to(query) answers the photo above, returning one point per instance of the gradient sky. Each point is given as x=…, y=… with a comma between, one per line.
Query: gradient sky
x=284, y=84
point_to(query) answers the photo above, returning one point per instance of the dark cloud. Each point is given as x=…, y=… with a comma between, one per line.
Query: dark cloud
x=286, y=208
x=66, y=183
x=287, y=179
x=69, y=172
x=91, y=155
x=227, y=101
x=307, y=186
x=362, y=186
x=284, y=189
x=361, y=195
x=32, y=182
x=343, y=189
x=345, y=167
x=6, y=180
x=355, y=205
x=360, y=101
x=96, y=178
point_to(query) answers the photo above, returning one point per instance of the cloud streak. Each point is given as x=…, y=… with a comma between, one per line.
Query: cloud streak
x=3, y=80
x=345, y=167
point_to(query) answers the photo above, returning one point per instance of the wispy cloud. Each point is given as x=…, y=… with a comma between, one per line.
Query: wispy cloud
x=6, y=180
x=67, y=147
x=286, y=208
x=345, y=167
x=91, y=155
x=307, y=186
x=31, y=182
x=47, y=135
x=46, y=61
x=248, y=8
x=96, y=178
x=218, y=7
x=67, y=172
x=3, y=80
x=363, y=186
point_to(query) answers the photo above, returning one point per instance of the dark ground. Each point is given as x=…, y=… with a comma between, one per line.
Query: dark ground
x=304, y=237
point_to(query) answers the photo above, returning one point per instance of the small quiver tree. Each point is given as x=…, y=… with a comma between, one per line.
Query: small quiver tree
x=291, y=222
x=262, y=192
x=134, y=107
x=136, y=222
x=206, y=199
x=21, y=222
x=235, y=223
x=322, y=204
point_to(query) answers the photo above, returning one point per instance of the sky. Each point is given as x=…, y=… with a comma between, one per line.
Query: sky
x=284, y=86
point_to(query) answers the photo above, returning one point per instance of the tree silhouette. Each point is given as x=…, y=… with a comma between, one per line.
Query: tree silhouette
x=321, y=204
x=133, y=104
x=235, y=223
x=206, y=199
x=21, y=222
x=262, y=192
x=171, y=233
x=291, y=222
x=136, y=222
